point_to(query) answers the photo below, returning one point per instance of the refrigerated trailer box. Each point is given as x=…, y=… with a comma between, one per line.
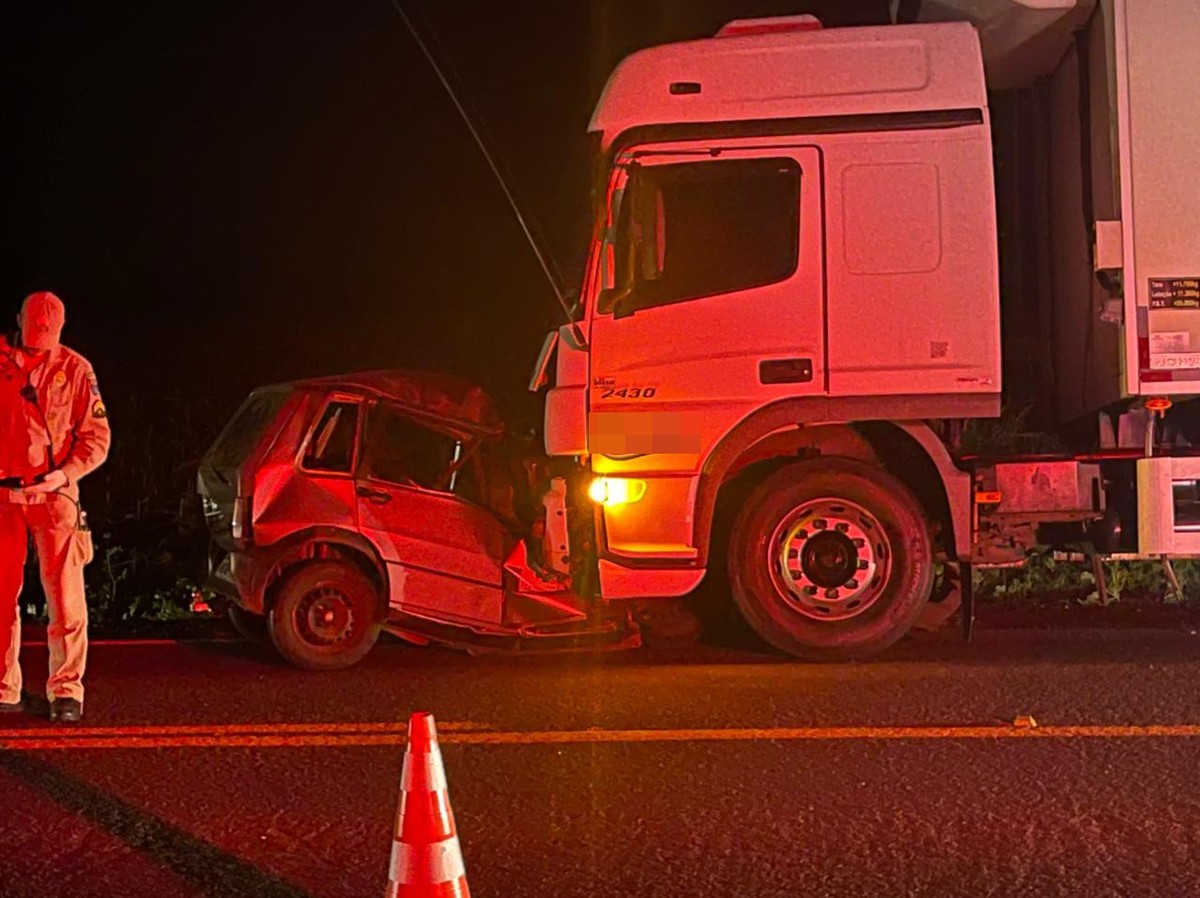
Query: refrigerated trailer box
x=1099, y=211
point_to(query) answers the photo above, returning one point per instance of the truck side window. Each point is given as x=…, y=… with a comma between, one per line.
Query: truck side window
x=331, y=446
x=401, y=450
x=696, y=229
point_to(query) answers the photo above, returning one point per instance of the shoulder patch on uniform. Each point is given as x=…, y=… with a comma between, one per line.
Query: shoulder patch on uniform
x=98, y=410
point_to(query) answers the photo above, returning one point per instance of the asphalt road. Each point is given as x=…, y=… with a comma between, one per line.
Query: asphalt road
x=210, y=769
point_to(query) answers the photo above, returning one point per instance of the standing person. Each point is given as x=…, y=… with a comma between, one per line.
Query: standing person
x=53, y=431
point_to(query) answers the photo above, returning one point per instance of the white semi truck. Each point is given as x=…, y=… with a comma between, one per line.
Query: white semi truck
x=798, y=292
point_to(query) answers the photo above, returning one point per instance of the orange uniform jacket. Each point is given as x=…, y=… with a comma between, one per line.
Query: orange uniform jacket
x=68, y=421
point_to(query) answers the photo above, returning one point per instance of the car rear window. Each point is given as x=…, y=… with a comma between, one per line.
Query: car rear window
x=243, y=433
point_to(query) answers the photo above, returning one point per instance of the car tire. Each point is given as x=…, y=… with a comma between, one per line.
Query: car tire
x=831, y=560
x=324, y=615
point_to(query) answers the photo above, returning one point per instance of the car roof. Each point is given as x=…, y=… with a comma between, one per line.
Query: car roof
x=452, y=401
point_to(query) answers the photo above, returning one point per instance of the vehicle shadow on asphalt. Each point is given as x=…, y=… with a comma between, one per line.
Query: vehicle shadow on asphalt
x=211, y=870
x=730, y=642
x=239, y=650
x=262, y=652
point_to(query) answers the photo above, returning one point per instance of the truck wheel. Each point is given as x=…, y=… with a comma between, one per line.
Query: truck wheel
x=831, y=560
x=324, y=615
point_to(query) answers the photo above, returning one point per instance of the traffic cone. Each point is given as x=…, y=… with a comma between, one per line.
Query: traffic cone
x=426, y=859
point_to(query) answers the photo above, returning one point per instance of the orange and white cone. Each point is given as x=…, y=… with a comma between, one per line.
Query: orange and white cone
x=426, y=859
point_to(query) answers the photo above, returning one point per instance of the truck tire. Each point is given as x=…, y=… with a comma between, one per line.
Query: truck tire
x=324, y=615
x=831, y=560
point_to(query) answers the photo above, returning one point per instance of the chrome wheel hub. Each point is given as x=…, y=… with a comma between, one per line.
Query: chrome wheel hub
x=830, y=559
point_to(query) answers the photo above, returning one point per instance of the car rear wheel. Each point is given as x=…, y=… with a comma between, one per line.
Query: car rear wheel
x=324, y=616
x=831, y=560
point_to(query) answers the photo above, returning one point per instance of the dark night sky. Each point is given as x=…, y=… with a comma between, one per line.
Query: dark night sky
x=227, y=193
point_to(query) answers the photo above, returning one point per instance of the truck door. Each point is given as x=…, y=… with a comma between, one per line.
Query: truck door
x=712, y=286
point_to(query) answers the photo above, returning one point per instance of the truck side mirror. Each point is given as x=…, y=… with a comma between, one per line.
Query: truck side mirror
x=625, y=252
x=639, y=236
x=623, y=303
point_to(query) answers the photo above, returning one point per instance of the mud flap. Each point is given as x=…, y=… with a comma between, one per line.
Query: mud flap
x=946, y=600
x=966, y=573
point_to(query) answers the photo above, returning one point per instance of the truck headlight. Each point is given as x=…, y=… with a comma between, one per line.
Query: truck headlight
x=611, y=491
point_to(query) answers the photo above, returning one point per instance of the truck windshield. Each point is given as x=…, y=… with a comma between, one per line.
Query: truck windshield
x=242, y=434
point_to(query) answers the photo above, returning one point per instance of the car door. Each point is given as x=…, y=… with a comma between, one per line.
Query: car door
x=444, y=554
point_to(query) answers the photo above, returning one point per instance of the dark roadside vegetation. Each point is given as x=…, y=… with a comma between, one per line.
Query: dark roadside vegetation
x=151, y=542
x=147, y=527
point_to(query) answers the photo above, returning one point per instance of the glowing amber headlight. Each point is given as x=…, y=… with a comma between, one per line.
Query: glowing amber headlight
x=616, y=490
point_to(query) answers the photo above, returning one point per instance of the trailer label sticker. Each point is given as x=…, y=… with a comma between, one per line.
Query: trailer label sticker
x=1175, y=361
x=1170, y=341
x=1175, y=293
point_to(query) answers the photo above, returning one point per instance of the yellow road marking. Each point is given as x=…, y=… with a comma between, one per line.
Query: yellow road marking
x=451, y=733
x=796, y=734
x=227, y=729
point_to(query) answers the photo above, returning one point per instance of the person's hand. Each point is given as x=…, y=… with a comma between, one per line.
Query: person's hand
x=55, y=480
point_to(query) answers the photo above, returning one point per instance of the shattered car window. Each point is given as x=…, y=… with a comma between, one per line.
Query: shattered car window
x=399, y=450
x=331, y=447
x=243, y=433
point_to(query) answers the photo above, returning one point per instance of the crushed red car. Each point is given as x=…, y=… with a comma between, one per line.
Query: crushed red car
x=340, y=507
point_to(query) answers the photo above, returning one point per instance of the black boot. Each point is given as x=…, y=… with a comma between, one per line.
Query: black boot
x=66, y=710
